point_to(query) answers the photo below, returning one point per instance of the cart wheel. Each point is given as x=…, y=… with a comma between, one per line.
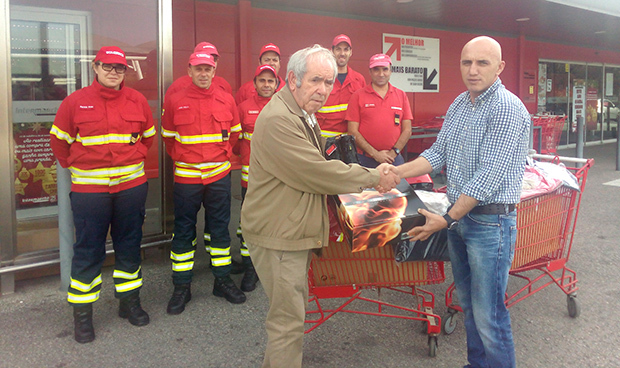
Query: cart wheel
x=574, y=309
x=432, y=346
x=449, y=324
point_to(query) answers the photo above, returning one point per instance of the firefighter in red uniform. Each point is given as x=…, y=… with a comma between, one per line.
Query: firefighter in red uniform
x=102, y=133
x=269, y=55
x=200, y=126
x=185, y=81
x=265, y=80
x=331, y=116
x=380, y=117
x=217, y=82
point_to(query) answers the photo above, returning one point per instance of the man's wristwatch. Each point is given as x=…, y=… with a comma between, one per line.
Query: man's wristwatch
x=396, y=150
x=451, y=222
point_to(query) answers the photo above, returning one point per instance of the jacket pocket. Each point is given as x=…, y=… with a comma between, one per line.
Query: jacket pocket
x=222, y=121
x=89, y=123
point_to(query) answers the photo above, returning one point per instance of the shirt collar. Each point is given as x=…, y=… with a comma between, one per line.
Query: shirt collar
x=491, y=90
x=311, y=119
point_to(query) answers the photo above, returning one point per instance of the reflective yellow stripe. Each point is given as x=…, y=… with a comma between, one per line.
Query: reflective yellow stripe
x=220, y=251
x=239, y=230
x=329, y=133
x=118, y=274
x=109, y=176
x=149, y=132
x=203, y=170
x=236, y=128
x=208, y=248
x=81, y=299
x=62, y=135
x=218, y=262
x=182, y=257
x=333, y=108
x=75, y=284
x=193, y=139
x=247, y=136
x=99, y=140
x=186, y=266
x=340, y=237
x=245, y=170
x=207, y=237
x=244, y=252
x=127, y=286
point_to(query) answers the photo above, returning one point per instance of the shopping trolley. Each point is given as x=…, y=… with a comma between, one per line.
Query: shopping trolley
x=550, y=132
x=341, y=274
x=546, y=226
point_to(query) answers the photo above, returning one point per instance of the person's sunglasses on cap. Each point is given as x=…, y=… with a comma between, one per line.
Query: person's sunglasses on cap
x=120, y=68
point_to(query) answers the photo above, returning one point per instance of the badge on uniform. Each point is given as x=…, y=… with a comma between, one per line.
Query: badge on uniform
x=396, y=119
x=134, y=138
x=224, y=134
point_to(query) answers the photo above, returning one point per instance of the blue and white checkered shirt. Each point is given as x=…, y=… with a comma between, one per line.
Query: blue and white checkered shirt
x=484, y=146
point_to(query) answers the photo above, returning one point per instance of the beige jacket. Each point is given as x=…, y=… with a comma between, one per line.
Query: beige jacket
x=285, y=207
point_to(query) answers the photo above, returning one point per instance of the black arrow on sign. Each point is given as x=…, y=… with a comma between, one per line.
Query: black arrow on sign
x=427, y=80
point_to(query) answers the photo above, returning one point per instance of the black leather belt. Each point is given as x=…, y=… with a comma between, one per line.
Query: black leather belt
x=494, y=209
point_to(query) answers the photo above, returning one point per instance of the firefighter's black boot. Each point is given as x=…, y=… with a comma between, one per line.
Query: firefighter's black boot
x=237, y=267
x=181, y=295
x=130, y=308
x=83, y=323
x=250, y=278
x=225, y=287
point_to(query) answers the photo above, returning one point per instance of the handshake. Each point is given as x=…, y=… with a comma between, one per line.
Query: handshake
x=388, y=179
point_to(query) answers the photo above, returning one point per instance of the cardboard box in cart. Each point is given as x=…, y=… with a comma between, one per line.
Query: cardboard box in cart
x=370, y=219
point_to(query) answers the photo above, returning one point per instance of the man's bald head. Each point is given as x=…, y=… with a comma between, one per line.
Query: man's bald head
x=481, y=64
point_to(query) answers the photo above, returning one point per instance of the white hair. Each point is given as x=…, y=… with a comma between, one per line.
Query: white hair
x=298, y=62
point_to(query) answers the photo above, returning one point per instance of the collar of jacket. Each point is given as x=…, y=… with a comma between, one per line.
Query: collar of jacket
x=108, y=93
x=286, y=95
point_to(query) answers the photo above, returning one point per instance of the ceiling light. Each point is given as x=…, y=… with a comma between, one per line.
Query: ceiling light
x=522, y=19
x=600, y=32
x=403, y=1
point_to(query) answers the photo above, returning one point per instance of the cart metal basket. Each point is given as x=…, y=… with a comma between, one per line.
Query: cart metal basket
x=546, y=226
x=341, y=274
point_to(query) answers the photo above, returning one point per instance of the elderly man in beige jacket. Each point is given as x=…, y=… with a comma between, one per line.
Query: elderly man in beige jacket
x=284, y=215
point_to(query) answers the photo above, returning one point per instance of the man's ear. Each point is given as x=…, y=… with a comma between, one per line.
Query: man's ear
x=292, y=80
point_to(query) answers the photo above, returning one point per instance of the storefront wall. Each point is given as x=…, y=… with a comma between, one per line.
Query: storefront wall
x=44, y=71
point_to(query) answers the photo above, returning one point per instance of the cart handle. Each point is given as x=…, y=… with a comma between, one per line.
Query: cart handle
x=561, y=158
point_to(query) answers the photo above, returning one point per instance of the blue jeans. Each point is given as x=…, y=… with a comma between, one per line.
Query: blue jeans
x=481, y=252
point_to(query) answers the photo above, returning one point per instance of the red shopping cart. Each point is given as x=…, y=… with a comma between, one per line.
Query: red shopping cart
x=423, y=135
x=550, y=132
x=341, y=274
x=546, y=227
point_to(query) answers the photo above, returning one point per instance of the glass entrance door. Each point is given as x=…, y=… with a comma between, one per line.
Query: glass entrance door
x=53, y=43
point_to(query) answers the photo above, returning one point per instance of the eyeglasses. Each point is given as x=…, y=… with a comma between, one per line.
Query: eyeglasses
x=120, y=69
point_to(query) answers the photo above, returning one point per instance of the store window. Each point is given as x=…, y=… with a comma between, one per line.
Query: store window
x=610, y=104
x=52, y=46
x=576, y=90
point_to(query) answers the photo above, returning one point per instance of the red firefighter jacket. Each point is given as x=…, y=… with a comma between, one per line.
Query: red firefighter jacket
x=200, y=127
x=102, y=136
x=331, y=116
x=248, y=112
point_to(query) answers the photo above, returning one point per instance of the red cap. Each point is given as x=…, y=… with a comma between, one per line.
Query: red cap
x=206, y=47
x=380, y=60
x=269, y=47
x=199, y=58
x=341, y=38
x=111, y=55
x=262, y=68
